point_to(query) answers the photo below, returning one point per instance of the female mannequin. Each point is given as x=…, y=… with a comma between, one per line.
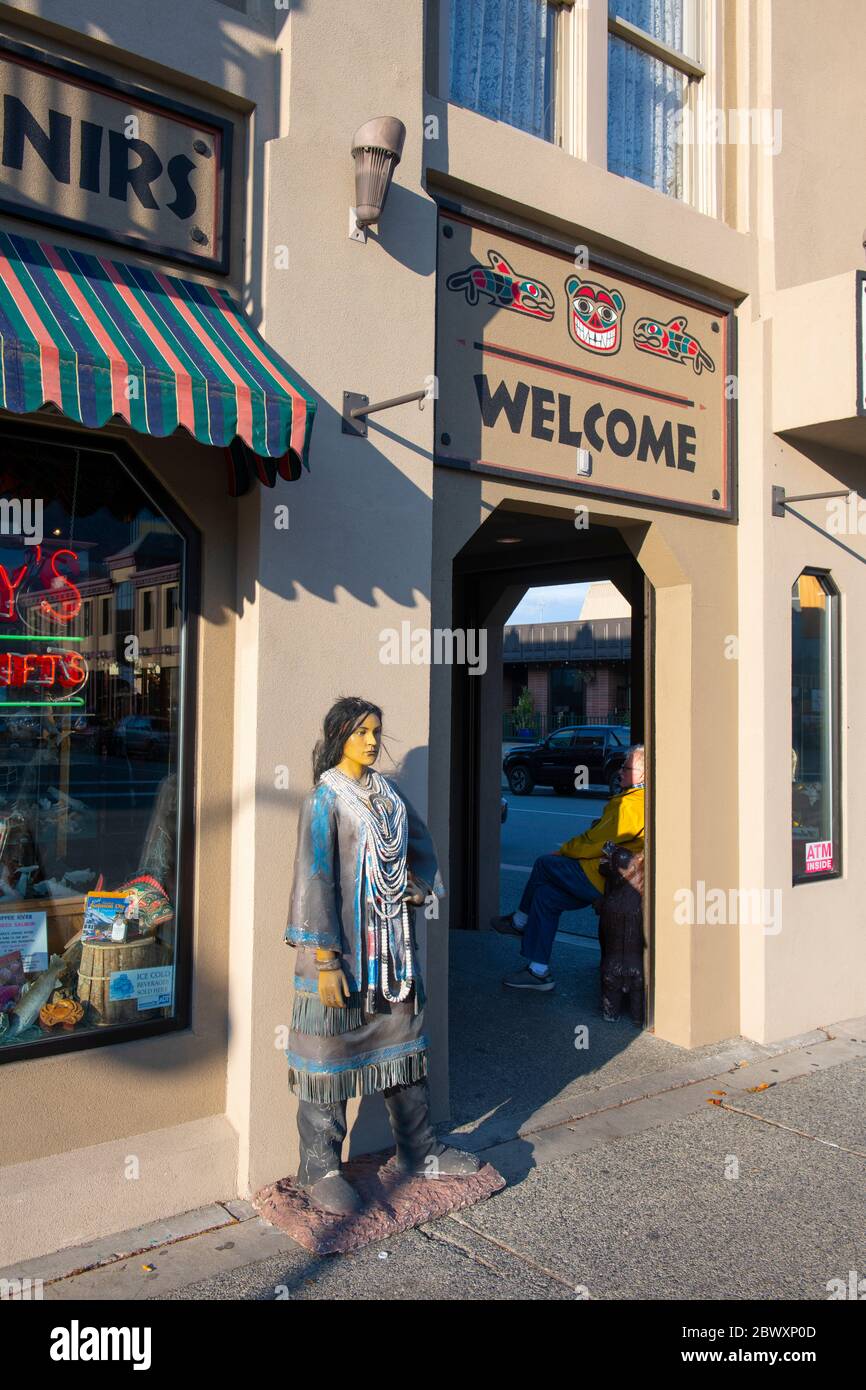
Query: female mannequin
x=364, y=861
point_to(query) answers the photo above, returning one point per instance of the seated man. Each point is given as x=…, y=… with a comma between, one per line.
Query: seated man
x=570, y=877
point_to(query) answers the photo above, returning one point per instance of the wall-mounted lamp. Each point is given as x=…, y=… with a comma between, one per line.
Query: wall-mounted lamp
x=376, y=150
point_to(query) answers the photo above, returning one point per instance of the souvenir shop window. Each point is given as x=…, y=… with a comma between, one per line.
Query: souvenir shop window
x=815, y=760
x=92, y=800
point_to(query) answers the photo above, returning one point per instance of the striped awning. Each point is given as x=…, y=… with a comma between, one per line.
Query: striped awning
x=102, y=339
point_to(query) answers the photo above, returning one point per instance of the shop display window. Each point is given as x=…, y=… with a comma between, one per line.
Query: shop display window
x=94, y=683
x=815, y=762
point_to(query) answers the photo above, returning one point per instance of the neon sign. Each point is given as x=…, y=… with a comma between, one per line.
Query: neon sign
x=53, y=580
x=51, y=671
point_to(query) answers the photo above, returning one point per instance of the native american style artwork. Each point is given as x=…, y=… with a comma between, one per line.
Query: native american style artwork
x=364, y=861
x=595, y=315
x=504, y=287
x=671, y=340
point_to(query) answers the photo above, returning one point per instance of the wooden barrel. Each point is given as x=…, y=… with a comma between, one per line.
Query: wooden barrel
x=101, y=960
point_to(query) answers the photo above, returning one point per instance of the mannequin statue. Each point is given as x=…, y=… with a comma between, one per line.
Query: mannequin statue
x=364, y=861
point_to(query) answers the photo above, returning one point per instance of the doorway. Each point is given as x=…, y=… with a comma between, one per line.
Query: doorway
x=513, y=552
x=498, y=1033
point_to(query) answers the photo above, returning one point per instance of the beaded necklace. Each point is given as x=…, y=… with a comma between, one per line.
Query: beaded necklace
x=384, y=834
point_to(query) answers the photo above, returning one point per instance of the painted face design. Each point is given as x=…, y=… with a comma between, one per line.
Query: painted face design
x=595, y=315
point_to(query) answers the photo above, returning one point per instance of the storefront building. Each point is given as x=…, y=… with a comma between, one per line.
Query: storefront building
x=632, y=328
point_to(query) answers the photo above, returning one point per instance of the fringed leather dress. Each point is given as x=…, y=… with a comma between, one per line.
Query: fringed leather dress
x=376, y=1042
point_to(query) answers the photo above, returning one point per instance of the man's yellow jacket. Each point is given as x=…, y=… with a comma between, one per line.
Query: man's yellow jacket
x=622, y=822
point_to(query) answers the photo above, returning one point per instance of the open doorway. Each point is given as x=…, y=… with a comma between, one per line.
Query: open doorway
x=566, y=729
x=565, y=689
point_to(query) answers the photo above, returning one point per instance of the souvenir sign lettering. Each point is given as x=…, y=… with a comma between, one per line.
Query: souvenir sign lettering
x=84, y=151
x=590, y=379
x=41, y=662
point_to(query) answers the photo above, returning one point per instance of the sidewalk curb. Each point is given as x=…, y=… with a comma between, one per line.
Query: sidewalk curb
x=604, y=1115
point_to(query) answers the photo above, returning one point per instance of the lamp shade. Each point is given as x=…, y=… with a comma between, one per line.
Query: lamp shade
x=376, y=149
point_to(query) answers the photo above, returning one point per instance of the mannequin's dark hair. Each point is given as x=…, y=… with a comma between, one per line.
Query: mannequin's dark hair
x=342, y=719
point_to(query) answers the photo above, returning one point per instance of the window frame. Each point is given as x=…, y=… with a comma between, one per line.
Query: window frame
x=581, y=88
x=118, y=450
x=701, y=68
x=834, y=710
x=438, y=62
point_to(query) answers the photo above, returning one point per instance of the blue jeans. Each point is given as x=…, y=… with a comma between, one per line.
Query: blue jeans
x=557, y=884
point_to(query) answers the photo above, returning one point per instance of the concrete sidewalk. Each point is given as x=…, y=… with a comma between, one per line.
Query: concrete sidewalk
x=722, y=1176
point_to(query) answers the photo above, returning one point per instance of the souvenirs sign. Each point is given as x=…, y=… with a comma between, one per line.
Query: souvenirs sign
x=84, y=151
x=41, y=662
x=579, y=376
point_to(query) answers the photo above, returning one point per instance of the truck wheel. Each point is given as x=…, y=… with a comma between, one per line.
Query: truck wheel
x=520, y=781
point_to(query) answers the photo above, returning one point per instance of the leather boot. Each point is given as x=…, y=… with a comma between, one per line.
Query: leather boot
x=322, y=1129
x=418, y=1150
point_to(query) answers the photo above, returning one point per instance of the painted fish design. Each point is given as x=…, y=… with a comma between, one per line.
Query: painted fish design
x=671, y=340
x=502, y=286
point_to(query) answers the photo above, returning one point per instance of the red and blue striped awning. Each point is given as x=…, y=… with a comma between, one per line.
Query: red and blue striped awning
x=102, y=339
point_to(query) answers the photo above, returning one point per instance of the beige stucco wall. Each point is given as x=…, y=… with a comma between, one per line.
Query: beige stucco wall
x=818, y=54
x=357, y=556
x=805, y=65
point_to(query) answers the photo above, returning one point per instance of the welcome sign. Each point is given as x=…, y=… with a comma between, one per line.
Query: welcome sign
x=562, y=372
x=84, y=151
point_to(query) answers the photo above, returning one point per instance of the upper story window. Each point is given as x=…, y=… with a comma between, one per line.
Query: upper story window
x=630, y=85
x=502, y=56
x=652, y=64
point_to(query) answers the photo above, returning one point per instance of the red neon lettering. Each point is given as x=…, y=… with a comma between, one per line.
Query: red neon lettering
x=69, y=607
x=67, y=670
x=7, y=591
x=72, y=669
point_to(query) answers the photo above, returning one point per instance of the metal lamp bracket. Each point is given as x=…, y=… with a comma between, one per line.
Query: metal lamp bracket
x=781, y=501
x=357, y=407
x=356, y=231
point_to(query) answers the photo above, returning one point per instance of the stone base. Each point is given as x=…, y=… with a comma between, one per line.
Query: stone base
x=392, y=1201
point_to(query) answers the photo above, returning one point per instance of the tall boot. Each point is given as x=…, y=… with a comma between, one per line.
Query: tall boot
x=321, y=1130
x=419, y=1152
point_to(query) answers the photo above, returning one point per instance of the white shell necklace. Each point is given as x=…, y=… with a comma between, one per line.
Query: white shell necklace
x=384, y=818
